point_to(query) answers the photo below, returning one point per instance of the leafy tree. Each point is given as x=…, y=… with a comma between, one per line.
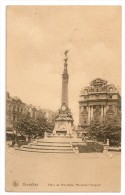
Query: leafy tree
x=111, y=129
x=108, y=128
x=30, y=126
x=94, y=128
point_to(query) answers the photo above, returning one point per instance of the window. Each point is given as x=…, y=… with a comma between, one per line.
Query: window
x=84, y=107
x=84, y=121
x=9, y=107
x=14, y=108
x=14, y=117
x=9, y=116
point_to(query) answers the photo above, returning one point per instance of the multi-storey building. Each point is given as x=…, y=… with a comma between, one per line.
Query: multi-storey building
x=49, y=115
x=15, y=108
x=97, y=100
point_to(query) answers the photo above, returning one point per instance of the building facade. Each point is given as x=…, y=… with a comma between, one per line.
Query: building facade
x=97, y=100
x=15, y=108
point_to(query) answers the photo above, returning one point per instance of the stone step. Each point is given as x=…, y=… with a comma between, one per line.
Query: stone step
x=59, y=139
x=50, y=144
x=46, y=151
x=48, y=148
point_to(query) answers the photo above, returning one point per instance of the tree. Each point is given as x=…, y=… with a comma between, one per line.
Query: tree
x=111, y=129
x=108, y=128
x=94, y=128
x=23, y=124
x=30, y=126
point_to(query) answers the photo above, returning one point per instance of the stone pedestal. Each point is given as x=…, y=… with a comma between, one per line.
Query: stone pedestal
x=63, y=125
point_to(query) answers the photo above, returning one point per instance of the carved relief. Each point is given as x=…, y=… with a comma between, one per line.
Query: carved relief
x=111, y=88
x=98, y=82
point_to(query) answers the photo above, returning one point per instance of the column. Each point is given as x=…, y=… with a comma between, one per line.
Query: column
x=91, y=112
x=89, y=115
x=70, y=128
x=80, y=115
x=65, y=89
x=105, y=109
x=101, y=112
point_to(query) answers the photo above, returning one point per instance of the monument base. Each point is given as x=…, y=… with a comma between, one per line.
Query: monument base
x=63, y=125
x=62, y=138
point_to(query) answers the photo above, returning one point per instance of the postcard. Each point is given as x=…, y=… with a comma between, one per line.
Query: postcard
x=63, y=98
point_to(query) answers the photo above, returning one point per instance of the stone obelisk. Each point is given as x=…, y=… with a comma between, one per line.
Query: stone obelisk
x=64, y=121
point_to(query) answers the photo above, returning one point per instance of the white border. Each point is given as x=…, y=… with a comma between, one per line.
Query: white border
x=3, y=5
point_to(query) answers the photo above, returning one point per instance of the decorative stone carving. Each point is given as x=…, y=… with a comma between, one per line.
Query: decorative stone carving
x=98, y=82
x=97, y=99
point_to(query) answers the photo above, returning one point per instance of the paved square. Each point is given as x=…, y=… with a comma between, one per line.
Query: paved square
x=85, y=173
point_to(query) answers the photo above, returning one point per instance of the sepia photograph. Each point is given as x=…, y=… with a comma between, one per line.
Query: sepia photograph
x=63, y=98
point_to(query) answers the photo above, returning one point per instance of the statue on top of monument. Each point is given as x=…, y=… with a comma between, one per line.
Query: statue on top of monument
x=66, y=57
x=66, y=51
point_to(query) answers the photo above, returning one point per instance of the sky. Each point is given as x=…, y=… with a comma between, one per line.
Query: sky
x=37, y=37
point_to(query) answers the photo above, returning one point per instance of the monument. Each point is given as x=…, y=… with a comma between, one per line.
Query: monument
x=64, y=121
